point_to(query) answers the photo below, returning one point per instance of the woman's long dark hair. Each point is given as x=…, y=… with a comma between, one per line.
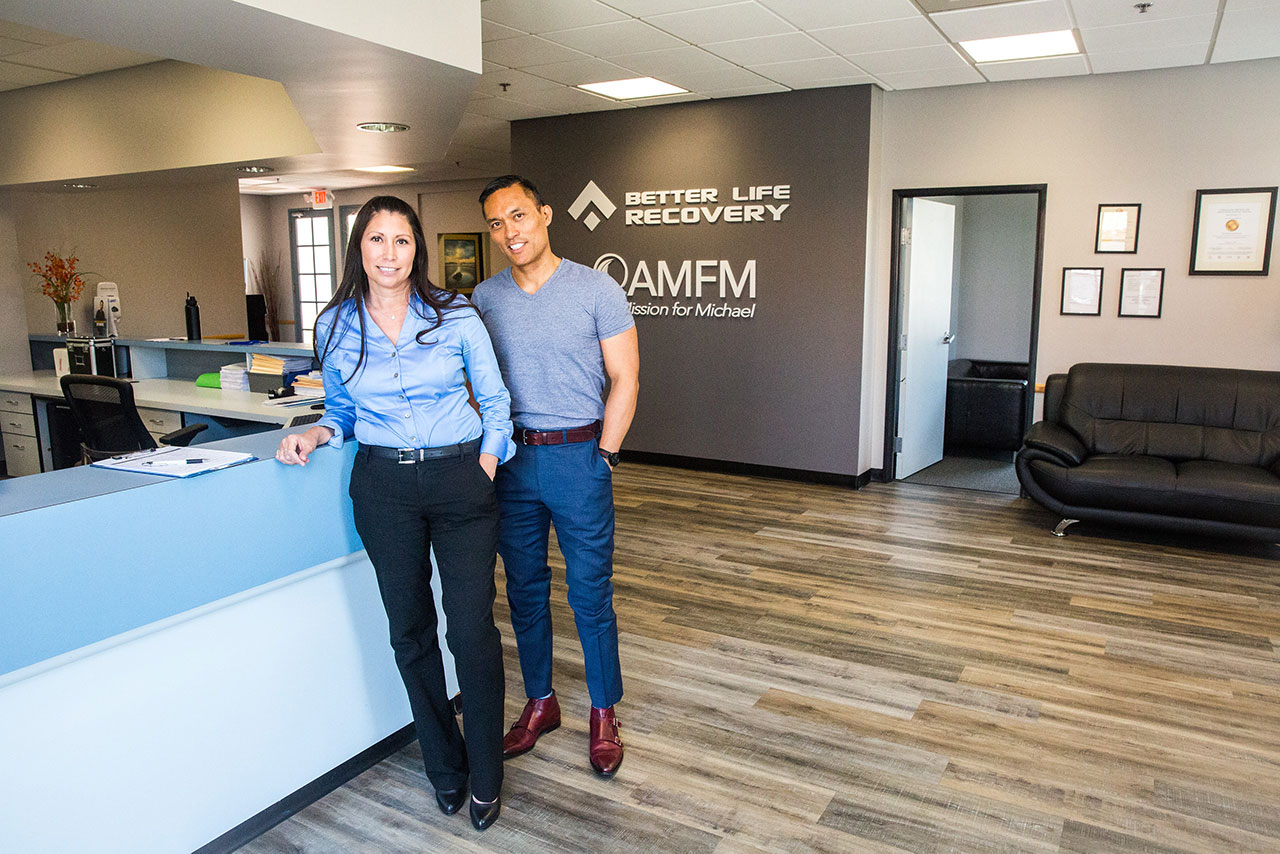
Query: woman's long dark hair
x=355, y=283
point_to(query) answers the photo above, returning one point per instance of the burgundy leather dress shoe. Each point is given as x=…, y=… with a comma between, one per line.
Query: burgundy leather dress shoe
x=606, y=745
x=539, y=716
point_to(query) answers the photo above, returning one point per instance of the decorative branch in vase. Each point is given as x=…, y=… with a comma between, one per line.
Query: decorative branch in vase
x=266, y=278
x=62, y=283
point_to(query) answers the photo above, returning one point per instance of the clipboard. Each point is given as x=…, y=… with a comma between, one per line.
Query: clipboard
x=175, y=461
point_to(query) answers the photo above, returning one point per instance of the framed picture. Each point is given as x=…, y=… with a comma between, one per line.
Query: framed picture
x=461, y=261
x=1232, y=232
x=1141, y=291
x=1081, y=290
x=1117, y=229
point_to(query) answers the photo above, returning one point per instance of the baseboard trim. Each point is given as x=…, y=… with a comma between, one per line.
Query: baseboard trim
x=751, y=469
x=282, y=809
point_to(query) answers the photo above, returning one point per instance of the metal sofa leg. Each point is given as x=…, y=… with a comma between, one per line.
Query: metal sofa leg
x=1061, y=530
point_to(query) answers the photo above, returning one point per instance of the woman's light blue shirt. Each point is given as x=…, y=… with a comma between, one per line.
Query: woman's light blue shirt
x=411, y=395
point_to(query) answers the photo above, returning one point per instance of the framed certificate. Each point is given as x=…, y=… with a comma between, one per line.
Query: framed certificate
x=1231, y=235
x=1141, y=292
x=1082, y=290
x=1117, y=229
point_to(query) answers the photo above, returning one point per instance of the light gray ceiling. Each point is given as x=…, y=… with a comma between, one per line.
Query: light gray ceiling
x=536, y=52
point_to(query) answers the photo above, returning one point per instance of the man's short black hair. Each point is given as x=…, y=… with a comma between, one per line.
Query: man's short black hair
x=505, y=181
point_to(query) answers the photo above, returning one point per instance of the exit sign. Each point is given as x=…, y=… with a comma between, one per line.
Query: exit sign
x=320, y=199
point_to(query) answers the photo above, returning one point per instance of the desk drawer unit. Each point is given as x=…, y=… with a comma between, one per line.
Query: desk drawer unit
x=18, y=430
x=160, y=421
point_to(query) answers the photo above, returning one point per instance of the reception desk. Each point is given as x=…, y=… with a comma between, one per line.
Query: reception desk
x=177, y=655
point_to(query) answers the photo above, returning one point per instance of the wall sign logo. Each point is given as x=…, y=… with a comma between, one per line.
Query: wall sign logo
x=592, y=196
x=606, y=261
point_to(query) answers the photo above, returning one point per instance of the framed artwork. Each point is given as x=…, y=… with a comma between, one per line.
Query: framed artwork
x=461, y=261
x=1141, y=291
x=1082, y=290
x=1117, y=229
x=1231, y=235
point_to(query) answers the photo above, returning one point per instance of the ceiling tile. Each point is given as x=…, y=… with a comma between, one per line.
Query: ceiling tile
x=546, y=15
x=858, y=80
x=81, y=57
x=576, y=101
x=1009, y=19
x=783, y=48
x=519, y=82
x=732, y=77
x=24, y=75
x=483, y=132
x=645, y=8
x=1248, y=34
x=815, y=14
x=722, y=23
x=885, y=35
x=1152, y=57
x=794, y=74
x=577, y=71
x=934, y=77
x=10, y=46
x=506, y=109
x=663, y=63
x=1155, y=33
x=528, y=50
x=491, y=32
x=908, y=59
x=606, y=40
x=764, y=88
x=10, y=30
x=1108, y=13
x=1030, y=69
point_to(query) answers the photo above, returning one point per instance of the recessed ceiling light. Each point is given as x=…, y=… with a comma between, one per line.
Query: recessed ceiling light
x=638, y=87
x=254, y=170
x=383, y=169
x=1031, y=46
x=382, y=127
x=81, y=186
x=257, y=182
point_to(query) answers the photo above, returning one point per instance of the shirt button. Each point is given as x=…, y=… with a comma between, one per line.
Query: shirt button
x=406, y=415
x=396, y=374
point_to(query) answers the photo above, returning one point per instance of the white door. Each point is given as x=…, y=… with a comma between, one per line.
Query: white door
x=922, y=390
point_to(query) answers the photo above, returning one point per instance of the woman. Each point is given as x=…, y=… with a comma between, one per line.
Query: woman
x=396, y=353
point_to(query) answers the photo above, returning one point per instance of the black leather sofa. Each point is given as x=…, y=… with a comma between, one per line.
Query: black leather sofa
x=1181, y=448
x=986, y=402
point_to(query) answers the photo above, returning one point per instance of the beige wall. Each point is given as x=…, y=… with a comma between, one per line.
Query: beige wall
x=14, y=353
x=1152, y=137
x=156, y=243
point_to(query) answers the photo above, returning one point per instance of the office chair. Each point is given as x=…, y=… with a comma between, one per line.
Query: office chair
x=104, y=411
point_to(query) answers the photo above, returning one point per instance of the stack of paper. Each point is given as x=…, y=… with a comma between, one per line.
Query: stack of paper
x=310, y=384
x=234, y=377
x=261, y=363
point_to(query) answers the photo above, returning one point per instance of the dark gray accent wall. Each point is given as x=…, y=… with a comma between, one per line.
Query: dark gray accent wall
x=779, y=385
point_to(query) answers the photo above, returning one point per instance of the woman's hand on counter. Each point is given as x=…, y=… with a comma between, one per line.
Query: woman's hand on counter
x=296, y=447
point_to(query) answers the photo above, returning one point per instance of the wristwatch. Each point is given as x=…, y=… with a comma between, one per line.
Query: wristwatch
x=610, y=457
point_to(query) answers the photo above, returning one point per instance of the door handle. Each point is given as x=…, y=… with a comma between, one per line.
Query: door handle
x=948, y=337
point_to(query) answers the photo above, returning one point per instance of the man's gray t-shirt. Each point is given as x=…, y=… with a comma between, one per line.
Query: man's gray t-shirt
x=548, y=343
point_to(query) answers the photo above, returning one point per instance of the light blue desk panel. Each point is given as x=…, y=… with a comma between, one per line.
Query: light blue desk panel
x=80, y=570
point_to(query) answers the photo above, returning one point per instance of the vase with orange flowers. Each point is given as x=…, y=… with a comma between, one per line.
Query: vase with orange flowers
x=60, y=282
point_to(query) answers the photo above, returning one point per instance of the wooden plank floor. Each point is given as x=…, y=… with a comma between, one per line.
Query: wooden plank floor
x=902, y=668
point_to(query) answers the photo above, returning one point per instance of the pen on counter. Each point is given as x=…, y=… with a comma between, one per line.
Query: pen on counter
x=173, y=462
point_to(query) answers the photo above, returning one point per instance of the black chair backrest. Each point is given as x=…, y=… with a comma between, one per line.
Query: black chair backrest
x=103, y=408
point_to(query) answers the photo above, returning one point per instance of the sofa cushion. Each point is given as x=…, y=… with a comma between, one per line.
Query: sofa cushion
x=1178, y=413
x=1197, y=489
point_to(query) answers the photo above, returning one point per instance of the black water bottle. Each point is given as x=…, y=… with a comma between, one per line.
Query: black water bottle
x=193, y=318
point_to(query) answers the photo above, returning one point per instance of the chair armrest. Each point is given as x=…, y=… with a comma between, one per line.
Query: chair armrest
x=182, y=438
x=1057, y=440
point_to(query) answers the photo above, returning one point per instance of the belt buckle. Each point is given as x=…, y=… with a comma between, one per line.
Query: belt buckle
x=406, y=456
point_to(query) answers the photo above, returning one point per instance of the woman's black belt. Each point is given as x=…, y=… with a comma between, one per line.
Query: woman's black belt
x=417, y=455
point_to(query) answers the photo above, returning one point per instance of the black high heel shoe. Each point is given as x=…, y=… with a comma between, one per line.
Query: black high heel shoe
x=450, y=800
x=483, y=815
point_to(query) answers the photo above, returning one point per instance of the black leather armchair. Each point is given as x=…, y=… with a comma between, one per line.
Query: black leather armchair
x=986, y=404
x=104, y=410
x=1182, y=448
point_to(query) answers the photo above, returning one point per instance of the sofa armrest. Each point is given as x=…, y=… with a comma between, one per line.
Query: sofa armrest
x=1056, y=440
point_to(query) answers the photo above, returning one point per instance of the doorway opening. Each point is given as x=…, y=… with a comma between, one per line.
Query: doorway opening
x=964, y=316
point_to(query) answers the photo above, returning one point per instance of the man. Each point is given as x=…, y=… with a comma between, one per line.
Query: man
x=559, y=329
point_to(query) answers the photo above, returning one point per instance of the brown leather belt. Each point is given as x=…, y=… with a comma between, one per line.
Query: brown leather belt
x=557, y=437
